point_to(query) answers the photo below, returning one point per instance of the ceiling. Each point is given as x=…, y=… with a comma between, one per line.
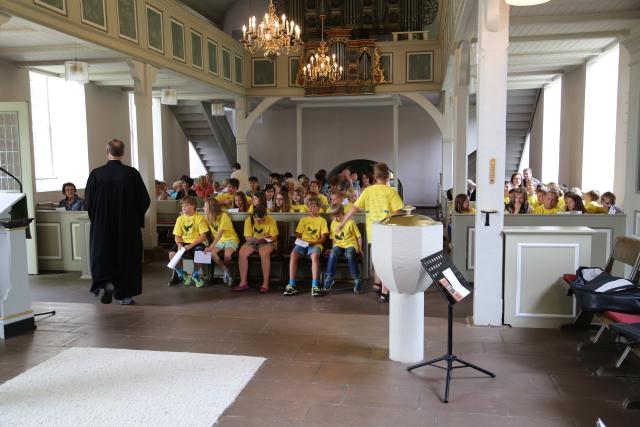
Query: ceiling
x=213, y=10
x=550, y=39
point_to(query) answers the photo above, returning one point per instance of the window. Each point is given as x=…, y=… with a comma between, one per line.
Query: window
x=600, y=110
x=59, y=126
x=196, y=167
x=551, y=131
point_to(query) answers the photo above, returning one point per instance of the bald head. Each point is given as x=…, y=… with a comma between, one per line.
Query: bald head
x=115, y=149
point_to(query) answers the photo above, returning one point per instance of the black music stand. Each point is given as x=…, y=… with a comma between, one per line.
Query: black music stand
x=435, y=265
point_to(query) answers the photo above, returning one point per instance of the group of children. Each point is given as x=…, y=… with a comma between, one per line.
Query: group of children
x=529, y=196
x=213, y=232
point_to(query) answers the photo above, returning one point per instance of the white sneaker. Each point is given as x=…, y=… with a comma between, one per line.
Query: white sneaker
x=226, y=278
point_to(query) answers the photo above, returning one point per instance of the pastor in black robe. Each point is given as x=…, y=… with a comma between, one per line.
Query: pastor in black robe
x=116, y=200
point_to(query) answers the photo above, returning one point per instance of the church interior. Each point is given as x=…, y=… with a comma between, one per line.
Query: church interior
x=511, y=130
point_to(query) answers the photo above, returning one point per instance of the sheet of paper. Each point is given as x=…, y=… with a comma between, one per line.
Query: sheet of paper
x=302, y=243
x=451, y=277
x=233, y=210
x=201, y=257
x=176, y=258
x=268, y=240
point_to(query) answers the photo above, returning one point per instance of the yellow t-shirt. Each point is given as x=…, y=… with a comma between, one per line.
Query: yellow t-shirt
x=224, y=223
x=507, y=199
x=223, y=198
x=593, y=208
x=312, y=228
x=472, y=211
x=250, y=210
x=561, y=205
x=348, y=236
x=299, y=208
x=541, y=210
x=267, y=228
x=533, y=201
x=323, y=199
x=190, y=227
x=379, y=201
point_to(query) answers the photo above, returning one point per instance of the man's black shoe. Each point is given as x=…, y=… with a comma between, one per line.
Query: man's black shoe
x=107, y=296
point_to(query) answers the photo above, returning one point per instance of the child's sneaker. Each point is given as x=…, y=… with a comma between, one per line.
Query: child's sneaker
x=198, y=282
x=357, y=287
x=186, y=280
x=328, y=283
x=316, y=292
x=175, y=279
x=290, y=290
x=226, y=278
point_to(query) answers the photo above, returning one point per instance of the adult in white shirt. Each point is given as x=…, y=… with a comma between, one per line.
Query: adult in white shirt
x=241, y=176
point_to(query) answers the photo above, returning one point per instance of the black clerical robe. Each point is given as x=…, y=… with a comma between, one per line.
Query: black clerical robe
x=116, y=200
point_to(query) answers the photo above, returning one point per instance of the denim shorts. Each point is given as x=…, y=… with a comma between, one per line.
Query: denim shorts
x=307, y=251
x=228, y=244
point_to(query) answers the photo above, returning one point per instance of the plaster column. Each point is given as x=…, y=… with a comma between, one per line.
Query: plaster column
x=461, y=117
x=447, y=143
x=493, y=44
x=395, y=144
x=144, y=75
x=242, y=126
x=298, y=139
x=631, y=47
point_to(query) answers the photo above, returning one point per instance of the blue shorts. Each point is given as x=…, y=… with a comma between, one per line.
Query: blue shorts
x=228, y=244
x=307, y=251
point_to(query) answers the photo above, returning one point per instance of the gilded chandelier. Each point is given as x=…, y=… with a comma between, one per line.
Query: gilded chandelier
x=322, y=67
x=273, y=35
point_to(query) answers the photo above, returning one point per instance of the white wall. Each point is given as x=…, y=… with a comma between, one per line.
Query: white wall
x=331, y=136
x=14, y=84
x=535, y=138
x=175, y=151
x=107, y=119
x=572, y=127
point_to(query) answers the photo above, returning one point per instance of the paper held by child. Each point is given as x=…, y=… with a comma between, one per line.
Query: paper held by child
x=201, y=257
x=303, y=243
x=176, y=258
x=453, y=286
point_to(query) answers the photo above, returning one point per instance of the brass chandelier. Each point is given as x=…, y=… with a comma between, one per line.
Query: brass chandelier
x=322, y=67
x=273, y=35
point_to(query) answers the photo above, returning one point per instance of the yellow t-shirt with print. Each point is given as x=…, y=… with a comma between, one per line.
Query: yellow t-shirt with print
x=348, y=236
x=224, y=223
x=299, y=208
x=267, y=228
x=311, y=228
x=541, y=210
x=250, y=210
x=224, y=198
x=379, y=201
x=190, y=227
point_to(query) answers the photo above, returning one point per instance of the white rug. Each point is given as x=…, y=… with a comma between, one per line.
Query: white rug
x=113, y=387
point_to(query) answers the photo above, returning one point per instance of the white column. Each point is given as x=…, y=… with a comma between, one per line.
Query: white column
x=242, y=126
x=298, y=139
x=493, y=43
x=447, y=143
x=632, y=199
x=144, y=75
x=461, y=117
x=395, y=143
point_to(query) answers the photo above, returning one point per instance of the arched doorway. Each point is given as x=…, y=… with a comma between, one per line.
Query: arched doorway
x=362, y=166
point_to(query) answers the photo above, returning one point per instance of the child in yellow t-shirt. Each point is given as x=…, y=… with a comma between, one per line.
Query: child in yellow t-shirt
x=347, y=241
x=550, y=204
x=226, y=199
x=532, y=198
x=297, y=201
x=591, y=202
x=314, y=190
x=261, y=235
x=190, y=231
x=379, y=201
x=225, y=238
x=312, y=232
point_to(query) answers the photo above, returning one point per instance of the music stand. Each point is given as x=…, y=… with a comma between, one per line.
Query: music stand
x=435, y=265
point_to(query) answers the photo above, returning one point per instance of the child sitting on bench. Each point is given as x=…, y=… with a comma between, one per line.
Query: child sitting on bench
x=190, y=231
x=348, y=242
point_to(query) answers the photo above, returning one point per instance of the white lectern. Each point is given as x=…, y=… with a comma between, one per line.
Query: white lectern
x=16, y=315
